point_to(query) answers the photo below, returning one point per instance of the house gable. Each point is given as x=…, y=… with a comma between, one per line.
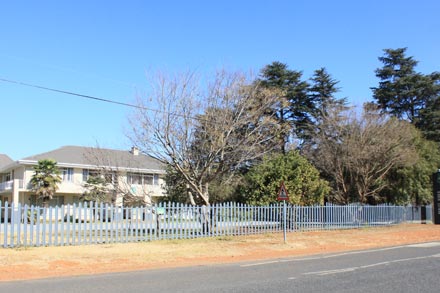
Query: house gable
x=5, y=161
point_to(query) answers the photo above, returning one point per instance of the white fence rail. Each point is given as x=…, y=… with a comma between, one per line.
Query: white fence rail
x=90, y=223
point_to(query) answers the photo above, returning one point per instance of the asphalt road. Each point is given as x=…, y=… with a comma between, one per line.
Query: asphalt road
x=410, y=268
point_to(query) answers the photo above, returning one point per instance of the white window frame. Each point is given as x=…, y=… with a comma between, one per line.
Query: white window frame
x=86, y=173
x=67, y=174
x=142, y=178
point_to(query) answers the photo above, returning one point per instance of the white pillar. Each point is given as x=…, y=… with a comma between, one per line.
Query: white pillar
x=15, y=192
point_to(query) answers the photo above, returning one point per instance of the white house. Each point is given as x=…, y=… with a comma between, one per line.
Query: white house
x=131, y=171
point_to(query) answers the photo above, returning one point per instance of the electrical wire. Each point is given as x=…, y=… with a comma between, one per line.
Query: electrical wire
x=95, y=98
x=74, y=94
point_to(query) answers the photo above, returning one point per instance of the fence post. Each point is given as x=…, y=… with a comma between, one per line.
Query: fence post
x=31, y=225
x=11, y=240
x=156, y=212
x=5, y=240
x=56, y=224
x=284, y=221
x=17, y=216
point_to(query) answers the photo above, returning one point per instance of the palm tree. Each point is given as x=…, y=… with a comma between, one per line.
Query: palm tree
x=45, y=180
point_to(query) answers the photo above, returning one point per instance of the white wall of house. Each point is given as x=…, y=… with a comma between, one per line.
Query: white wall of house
x=72, y=186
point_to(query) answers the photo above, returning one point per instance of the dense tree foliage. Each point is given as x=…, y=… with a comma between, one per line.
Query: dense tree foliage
x=301, y=103
x=412, y=184
x=304, y=186
x=413, y=96
x=429, y=120
x=97, y=190
x=322, y=92
x=398, y=91
x=408, y=94
x=294, y=107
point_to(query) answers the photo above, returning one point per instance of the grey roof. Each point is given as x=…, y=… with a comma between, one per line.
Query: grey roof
x=5, y=160
x=89, y=156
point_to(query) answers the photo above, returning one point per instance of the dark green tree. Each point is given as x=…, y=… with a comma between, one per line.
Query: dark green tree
x=429, y=120
x=413, y=184
x=294, y=108
x=97, y=190
x=322, y=92
x=45, y=180
x=402, y=91
x=302, y=181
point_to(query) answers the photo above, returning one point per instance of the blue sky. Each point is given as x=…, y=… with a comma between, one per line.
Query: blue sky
x=105, y=49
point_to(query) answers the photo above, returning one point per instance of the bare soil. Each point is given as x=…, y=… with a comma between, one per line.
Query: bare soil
x=45, y=262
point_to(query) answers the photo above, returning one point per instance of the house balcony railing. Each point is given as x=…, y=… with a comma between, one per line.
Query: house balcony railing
x=8, y=185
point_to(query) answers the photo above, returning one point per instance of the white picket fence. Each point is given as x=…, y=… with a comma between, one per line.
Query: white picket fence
x=89, y=223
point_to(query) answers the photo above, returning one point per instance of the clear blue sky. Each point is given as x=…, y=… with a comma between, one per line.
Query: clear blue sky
x=105, y=48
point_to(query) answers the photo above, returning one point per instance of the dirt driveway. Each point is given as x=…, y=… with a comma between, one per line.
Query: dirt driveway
x=43, y=262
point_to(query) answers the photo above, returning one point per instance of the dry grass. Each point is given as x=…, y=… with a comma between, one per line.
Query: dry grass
x=38, y=262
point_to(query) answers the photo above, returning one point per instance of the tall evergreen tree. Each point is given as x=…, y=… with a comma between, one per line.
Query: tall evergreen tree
x=294, y=107
x=429, y=120
x=402, y=91
x=322, y=92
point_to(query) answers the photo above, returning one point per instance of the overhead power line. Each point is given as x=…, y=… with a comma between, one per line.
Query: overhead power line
x=95, y=98
x=74, y=94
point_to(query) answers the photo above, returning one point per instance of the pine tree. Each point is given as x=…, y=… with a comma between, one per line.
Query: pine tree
x=295, y=108
x=322, y=92
x=402, y=91
x=429, y=122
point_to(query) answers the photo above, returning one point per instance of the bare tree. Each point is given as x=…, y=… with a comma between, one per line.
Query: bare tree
x=356, y=153
x=202, y=133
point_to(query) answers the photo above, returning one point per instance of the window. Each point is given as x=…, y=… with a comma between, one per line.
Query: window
x=148, y=179
x=56, y=201
x=134, y=178
x=151, y=179
x=89, y=173
x=111, y=177
x=86, y=174
x=67, y=174
x=143, y=179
